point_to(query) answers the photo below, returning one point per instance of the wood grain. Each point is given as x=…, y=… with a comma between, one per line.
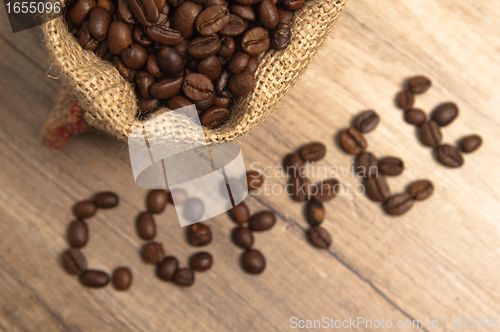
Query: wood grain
x=439, y=260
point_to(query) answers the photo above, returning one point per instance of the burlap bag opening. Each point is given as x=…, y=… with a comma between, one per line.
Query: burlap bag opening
x=109, y=103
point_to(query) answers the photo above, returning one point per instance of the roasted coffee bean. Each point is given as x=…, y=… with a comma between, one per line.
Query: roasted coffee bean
x=262, y=221
x=84, y=209
x=268, y=14
x=124, y=12
x=170, y=62
x=148, y=105
x=367, y=165
x=377, y=188
x=99, y=21
x=239, y=213
x=391, y=166
x=221, y=83
x=449, y=156
x=242, y=237
x=109, y=5
x=253, y=65
x=157, y=200
x=253, y=261
x=430, y=134
x=366, y=121
x=286, y=16
x=227, y=47
x=80, y=12
x=140, y=36
x=167, y=268
x=313, y=151
x=211, y=67
x=119, y=37
x=320, y=237
x=145, y=11
x=199, y=234
x=315, y=212
x=94, y=278
x=415, y=116
x=152, y=66
x=293, y=164
x=184, y=277
x=126, y=72
x=122, y=278
x=201, y=261
x=254, y=180
x=445, y=113
x=103, y=51
x=177, y=102
x=78, y=234
x=197, y=87
x=281, y=36
x=352, y=141
x=299, y=188
x=421, y=190
x=194, y=209
x=256, y=41
x=218, y=117
x=241, y=84
x=325, y=190
x=106, y=200
x=153, y=253
x=184, y=18
x=175, y=3
x=214, y=117
x=135, y=56
x=222, y=102
x=293, y=4
x=166, y=88
x=235, y=27
x=405, y=100
x=419, y=84
x=470, y=143
x=144, y=82
x=146, y=226
x=87, y=41
x=238, y=62
x=73, y=261
x=212, y=20
x=399, y=204
x=164, y=35
x=247, y=2
x=177, y=196
x=245, y=12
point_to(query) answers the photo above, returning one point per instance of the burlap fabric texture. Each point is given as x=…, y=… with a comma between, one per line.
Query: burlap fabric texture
x=109, y=103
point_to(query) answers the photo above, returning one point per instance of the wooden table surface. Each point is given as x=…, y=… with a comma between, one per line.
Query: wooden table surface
x=440, y=260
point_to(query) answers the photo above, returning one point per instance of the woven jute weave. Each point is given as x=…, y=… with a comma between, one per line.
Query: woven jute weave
x=109, y=102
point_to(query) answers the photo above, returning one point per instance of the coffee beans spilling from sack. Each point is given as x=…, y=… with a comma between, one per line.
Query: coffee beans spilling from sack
x=178, y=53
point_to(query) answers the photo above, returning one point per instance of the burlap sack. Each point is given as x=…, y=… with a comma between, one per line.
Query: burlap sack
x=109, y=103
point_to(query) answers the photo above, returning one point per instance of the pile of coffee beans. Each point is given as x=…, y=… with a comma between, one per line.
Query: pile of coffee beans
x=374, y=170
x=183, y=52
x=301, y=190
x=73, y=260
x=429, y=131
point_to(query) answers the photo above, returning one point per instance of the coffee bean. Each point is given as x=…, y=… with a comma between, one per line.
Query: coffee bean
x=235, y=27
x=449, y=156
x=126, y=72
x=166, y=88
x=313, y=151
x=293, y=164
x=201, y=261
x=320, y=237
x=377, y=188
x=286, y=16
x=125, y=13
x=164, y=35
x=94, y=278
x=80, y=12
x=140, y=36
x=157, y=200
x=199, y=234
x=212, y=20
x=148, y=105
x=415, y=116
x=419, y=84
x=170, y=62
x=445, y=113
x=153, y=253
x=211, y=67
x=220, y=115
x=268, y=14
x=253, y=261
x=84, y=209
x=352, y=141
x=293, y=4
x=103, y=51
x=184, y=277
x=326, y=190
x=221, y=84
x=167, y=268
x=366, y=121
x=238, y=62
x=106, y=200
x=184, y=18
x=122, y=278
x=177, y=102
x=73, y=261
x=239, y=213
x=421, y=190
x=144, y=81
x=119, y=37
x=315, y=212
x=262, y=221
x=405, y=100
x=146, y=226
x=177, y=196
x=399, y=204
x=145, y=11
x=247, y=2
x=256, y=41
x=471, y=143
x=299, y=188
x=253, y=65
x=367, y=165
x=87, y=41
x=391, y=166
x=99, y=22
x=194, y=209
x=242, y=83
x=214, y=117
x=78, y=234
x=254, y=180
x=197, y=87
x=245, y=12
x=242, y=237
x=222, y=102
x=430, y=134
x=153, y=67
x=109, y=5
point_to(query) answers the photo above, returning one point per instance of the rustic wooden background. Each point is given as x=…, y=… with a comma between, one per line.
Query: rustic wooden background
x=440, y=260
